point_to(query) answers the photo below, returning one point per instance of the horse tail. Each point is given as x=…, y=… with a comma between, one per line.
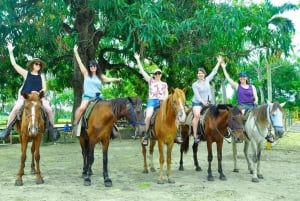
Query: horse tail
x=185, y=135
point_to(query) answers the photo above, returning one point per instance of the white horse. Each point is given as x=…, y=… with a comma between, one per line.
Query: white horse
x=256, y=127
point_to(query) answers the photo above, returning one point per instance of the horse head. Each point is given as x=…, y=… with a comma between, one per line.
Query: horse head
x=236, y=124
x=33, y=113
x=178, y=100
x=135, y=111
x=275, y=114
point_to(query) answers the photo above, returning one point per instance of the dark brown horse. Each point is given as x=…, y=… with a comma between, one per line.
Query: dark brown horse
x=31, y=127
x=217, y=120
x=170, y=113
x=100, y=125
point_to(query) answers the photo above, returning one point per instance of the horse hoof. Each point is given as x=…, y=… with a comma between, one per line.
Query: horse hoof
x=255, y=180
x=87, y=182
x=260, y=176
x=223, y=178
x=171, y=181
x=108, y=182
x=152, y=169
x=39, y=181
x=146, y=171
x=198, y=169
x=210, y=178
x=18, y=183
x=236, y=170
x=251, y=171
x=160, y=181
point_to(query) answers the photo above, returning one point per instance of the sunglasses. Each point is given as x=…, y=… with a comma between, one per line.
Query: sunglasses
x=157, y=73
x=38, y=64
x=92, y=66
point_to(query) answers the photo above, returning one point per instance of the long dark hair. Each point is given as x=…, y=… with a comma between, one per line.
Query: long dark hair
x=98, y=71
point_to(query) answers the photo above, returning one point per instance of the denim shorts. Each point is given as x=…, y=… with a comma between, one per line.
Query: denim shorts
x=197, y=104
x=153, y=103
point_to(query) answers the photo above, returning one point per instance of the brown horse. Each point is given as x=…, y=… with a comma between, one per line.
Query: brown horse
x=217, y=120
x=164, y=131
x=31, y=127
x=100, y=125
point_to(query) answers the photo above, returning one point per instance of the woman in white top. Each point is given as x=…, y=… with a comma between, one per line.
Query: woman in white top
x=202, y=95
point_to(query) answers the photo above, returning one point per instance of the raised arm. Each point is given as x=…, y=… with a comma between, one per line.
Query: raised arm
x=143, y=72
x=255, y=94
x=17, y=67
x=110, y=79
x=80, y=64
x=231, y=82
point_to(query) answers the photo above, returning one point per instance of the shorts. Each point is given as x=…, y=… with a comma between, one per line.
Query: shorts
x=197, y=104
x=153, y=103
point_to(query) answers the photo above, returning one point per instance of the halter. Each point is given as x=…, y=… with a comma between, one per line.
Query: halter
x=270, y=118
x=133, y=116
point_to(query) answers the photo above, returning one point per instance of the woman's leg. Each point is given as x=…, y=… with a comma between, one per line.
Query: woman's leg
x=196, y=113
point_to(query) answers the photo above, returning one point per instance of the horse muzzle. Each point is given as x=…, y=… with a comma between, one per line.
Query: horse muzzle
x=279, y=131
x=33, y=130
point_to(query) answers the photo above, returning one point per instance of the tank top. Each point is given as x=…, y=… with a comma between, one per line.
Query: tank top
x=32, y=83
x=245, y=95
x=92, y=86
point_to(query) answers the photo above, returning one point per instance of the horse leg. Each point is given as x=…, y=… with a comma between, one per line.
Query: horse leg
x=144, y=152
x=161, y=162
x=39, y=178
x=185, y=144
x=89, y=154
x=234, y=155
x=33, y=170
x=219, y=155
x=209, y=159
x=84, y=143
x=195, y=157
x=169, y=163
x=151, y=151
x=24, y=143
x=255, y=157
x=107, y=180
x=246, y=148
x=259, y=151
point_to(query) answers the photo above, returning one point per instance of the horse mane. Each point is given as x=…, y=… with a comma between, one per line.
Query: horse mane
x=276, y=106
x=261, y=113
x=215, y=109
x=118, y=104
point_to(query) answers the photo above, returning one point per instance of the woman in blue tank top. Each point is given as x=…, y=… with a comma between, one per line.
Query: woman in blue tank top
x=34, y=82
x=93, y=79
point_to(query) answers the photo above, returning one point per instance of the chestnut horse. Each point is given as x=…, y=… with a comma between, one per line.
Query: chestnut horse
x=31, y=127
x=218, y=121
x=100, y=125
x=256, y=126
x=170, y=113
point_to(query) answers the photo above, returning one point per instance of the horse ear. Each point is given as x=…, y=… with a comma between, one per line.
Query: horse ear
x=25, y=95
x=184, y=90
x=282, y=104
x=41, y=94
x=172, y=89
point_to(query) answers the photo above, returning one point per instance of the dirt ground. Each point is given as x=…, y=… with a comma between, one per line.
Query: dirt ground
x=61, y=165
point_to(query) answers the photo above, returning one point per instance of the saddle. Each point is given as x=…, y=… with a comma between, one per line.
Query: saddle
x=152, y=121
x=201, y=124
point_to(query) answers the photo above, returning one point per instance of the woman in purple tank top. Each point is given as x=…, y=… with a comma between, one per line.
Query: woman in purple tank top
x=246, y=93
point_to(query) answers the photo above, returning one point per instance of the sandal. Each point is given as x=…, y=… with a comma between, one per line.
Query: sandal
x=196, y=140
x=144, y=142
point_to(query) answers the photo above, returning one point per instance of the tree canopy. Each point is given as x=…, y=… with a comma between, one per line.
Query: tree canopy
x=176, y=35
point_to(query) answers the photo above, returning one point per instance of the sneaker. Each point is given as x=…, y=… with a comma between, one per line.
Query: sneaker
x=178, y=140
x=74, y=130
